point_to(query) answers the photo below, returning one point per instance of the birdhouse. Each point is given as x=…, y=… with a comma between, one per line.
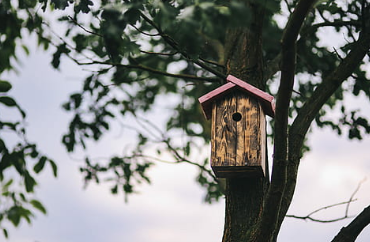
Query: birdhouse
x=238, y=136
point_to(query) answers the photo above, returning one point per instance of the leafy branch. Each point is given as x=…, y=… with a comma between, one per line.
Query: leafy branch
x=170, y=41
x=137, y=66
x=151, y=70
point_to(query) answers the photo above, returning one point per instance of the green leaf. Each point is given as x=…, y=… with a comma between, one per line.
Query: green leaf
x=29, y=181
x=114, y=190
x=83, y=6
x=5, y=86
x=132, y=15
x=8, y=101
x=5, y=232
x=40, y=165
x=6, y=186
x=38, y=205
x=54, y=167
x=14, y=215
x=60, y=4
x=61, y=49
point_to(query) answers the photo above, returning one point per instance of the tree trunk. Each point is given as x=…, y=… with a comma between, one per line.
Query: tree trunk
x=244, y=196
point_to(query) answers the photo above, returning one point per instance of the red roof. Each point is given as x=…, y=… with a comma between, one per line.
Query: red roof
x=266, y=99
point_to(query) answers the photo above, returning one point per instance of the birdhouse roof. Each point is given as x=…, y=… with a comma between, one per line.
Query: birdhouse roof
x=266, y=100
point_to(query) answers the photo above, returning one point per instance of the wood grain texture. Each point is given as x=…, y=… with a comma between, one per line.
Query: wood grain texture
x=238, y=147
x=207, y=100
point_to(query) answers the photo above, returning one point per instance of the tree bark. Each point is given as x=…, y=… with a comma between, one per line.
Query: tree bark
x=350, y=233
x=244, y=196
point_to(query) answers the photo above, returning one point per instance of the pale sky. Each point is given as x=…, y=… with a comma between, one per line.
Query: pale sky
x=171, y=209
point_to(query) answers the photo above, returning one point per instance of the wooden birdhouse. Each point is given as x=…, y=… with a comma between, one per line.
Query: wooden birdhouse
x=238, y=137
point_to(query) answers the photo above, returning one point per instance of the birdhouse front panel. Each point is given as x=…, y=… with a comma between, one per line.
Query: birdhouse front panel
x=238, y=136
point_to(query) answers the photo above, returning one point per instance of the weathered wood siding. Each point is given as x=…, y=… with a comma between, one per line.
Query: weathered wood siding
x=238, y=146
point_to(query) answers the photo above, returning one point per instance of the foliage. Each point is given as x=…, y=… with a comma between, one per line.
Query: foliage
x=15, y=200
x=134, y=43
x=142, y=50
x=20, y=160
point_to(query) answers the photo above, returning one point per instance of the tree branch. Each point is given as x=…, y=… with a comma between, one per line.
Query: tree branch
x=326, y=89
x=309, y=216
x=176, y=47
x=151, y=70
x=144, y=33
x=312, y=106
x=313, y=28
x=158, y=53
x=288, y=59
x=162, y=138
x=345, y=216
x=350, y=232
x=82, y=27
x=272, y=67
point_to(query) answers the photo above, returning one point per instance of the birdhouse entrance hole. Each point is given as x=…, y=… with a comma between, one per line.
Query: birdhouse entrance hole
x=237, y=117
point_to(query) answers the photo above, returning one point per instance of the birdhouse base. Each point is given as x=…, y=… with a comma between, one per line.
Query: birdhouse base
x=237, y=171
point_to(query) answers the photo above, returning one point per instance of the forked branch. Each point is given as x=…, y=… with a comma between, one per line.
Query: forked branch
x=288, y=59
x=312, y=106
x=345, y=216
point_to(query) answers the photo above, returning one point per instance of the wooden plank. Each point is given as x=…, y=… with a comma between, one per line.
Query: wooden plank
x=224, y=142
x=238, y=171
x=241, y=126
x=255, y=135
x=251, y=133
x=266, y=99
x=207, y=100
x=263, y=142
x=214, y=160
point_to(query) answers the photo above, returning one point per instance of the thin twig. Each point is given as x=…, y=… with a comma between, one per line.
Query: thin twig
x=211, y=62
x=152, y=70
x=82, y=27
x=158, y=53
x=144, y=33
x=354, y=193
x=345, y=216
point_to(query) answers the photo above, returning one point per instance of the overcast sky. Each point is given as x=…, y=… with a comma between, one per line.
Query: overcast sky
x=171, y=209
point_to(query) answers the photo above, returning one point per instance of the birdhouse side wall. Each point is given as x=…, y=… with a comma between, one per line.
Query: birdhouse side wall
x=238, y=145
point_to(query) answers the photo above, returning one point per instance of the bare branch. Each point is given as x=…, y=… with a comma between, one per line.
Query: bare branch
x=82, y=27
x=288, y=45
x=212, y=62
x=144, y=33
x=178, y=157
x=350, y=232
x=354, y=193
x=157, y=53
x=345, y=216
x=313, y=28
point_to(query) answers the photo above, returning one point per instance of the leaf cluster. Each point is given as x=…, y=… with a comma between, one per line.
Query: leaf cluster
x=15, y=203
